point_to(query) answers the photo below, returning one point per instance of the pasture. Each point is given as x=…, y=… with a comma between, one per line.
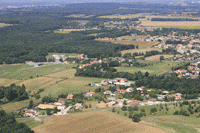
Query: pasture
x=157, y=68
x=124, y=16
x=166, y=120
x=98, y=121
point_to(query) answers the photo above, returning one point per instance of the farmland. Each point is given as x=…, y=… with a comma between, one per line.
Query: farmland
x=157, y=57
x=166, y=120
x=140, y=44
x=93, y=122
x=4, y=25
x=66, y=31
x=140, y=50
x=157, y=68
x=50, y=55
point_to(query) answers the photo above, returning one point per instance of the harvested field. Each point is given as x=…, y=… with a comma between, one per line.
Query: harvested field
x=93, y=122
x=35, y=84
x=123, y=16
x=157, y=57
x=8, y=81
x=4, y=25
x=18, y=105
x=140, y=44
x=63, y=74
x=171, y=23
x=140, y=50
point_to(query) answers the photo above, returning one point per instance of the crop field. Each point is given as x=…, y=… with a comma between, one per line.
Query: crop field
x=80, y=16
x=157, y=57
x=168, y=24
x=65, y=31
x=140, y=50
x=99, y=121
x=157, y=68
x=132, y=37
x=17, y=105
x=140, y=44
x=123, y=16
x=166, y=120
x=8, y=81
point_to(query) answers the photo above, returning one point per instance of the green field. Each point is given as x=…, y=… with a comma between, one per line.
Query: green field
x=31, y=122
x=157, y=68
x=166, y=120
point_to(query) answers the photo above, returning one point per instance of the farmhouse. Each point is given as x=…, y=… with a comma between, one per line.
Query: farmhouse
x=78, y=105
x=90, y=93
x=110, y=104
x=107, y=92
x=70, y=96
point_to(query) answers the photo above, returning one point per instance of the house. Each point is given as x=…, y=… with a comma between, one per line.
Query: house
x=161, y=96
x=70, y=96
x=46, y=106
x=150, y=90
x=110, y=104
x=120, y=80
x=93, y=62
x=78, y=105
x=111, y=98
x=140, y=88
x=153, y=100
x=32, y=112
x=66, y=62
x=130, y=89
x=62, y=100
x=134, y=102
x=121, y=91
x=73, y=61
x=90, y=93
x=59, y=103
x=107, y=92
x=27, y=62
x=81, y=66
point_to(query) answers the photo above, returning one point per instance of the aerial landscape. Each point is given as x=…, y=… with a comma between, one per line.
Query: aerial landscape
x=99, y=66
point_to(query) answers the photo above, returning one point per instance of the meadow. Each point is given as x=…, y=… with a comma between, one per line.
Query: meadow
x=50, y=55
x=166, y=120
x=157, y=57
x=98, y=121
x=66, y=31
x=157, y=68
x=141, y=49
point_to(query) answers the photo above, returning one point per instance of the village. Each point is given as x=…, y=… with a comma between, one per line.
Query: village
x=115, y=97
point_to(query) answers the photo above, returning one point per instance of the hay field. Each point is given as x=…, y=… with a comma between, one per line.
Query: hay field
x=140, y=50
x=8, y=81
x=124, y=16
x=157, y=57
x=140, y=44
x=4, y=25
x=93, y=122
x=50, y=55
x=65, y=31
x=17, y=105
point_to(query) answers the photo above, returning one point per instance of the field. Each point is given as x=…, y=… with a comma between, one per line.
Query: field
x=65, y=31
x=140, y=44
x=172, y=24
x=18, y=105
x=31, y=122
x=157, y=57
x=166, y=120
x=124, y=16
x=157, y=68
x=101, y=122
x=140, y=50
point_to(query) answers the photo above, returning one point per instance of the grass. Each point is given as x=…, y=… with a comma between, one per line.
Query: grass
x=99, y=121
x=66, y=31
x=140, y=44
x=24, y=71
x=168, y=121
x=157, y=68
x=13, y=106
x=123, y=16
x=157, y=57
x=30, y=122
x=141, y=49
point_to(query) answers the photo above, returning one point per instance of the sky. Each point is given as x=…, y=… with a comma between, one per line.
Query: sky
x=74, y=1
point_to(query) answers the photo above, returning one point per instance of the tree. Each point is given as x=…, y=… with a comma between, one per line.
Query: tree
x=30, y=104
x=48, y=112
x=113, y=110
x=61, y=60
x=136, y=117
x=146, y=74
x=90, y=106
x=55, y=110
x=162, y=58
x=124, y=108
x=125, y=103
x=137, y=46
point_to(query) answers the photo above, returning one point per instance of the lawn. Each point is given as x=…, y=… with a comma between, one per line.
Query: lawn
x=157, y=68
x=93, y=122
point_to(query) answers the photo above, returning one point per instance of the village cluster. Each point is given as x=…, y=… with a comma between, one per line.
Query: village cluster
x=112, y=98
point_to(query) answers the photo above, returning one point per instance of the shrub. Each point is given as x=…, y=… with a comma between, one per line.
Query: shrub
x=136, y=117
